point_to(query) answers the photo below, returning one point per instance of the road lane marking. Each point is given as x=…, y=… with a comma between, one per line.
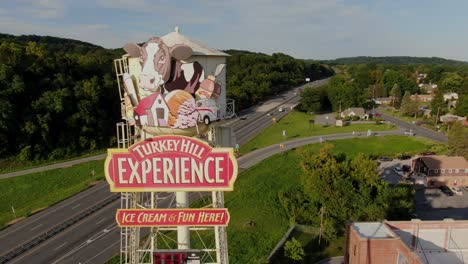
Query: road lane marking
x=60, y=235
x=66, y=203
x=75, y=206
x=102, y=251
x=102, y=220
x=36, y=227
x=60, y=246
x=87, y=242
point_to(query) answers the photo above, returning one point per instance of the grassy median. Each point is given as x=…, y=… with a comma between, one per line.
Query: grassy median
x=296, y=125
x=30, y=193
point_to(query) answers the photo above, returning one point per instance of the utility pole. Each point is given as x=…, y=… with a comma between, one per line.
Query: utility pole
x=340, y=109
x=321, y=224
x=437, y=116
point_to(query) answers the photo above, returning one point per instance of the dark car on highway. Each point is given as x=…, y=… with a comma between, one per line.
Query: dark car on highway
x=446, y=190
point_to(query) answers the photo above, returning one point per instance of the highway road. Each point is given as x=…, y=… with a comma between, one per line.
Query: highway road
x=95, y=238
x=52, y=166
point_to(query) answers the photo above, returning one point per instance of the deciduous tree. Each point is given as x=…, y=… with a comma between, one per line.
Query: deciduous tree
x=408, y=106
x=458, y=140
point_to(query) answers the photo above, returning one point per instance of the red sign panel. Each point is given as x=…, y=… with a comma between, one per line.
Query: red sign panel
x=171, y=163
x=172, y=217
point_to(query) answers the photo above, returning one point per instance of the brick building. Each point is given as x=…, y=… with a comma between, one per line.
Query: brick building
x=407, y=242
x=442, y=170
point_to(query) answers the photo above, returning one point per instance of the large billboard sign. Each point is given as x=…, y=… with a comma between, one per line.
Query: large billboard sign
x=172, y=217
x=170, y=163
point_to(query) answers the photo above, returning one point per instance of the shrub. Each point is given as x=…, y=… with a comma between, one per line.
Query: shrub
x=25, y=153
x=293, y=249
x=378, y=120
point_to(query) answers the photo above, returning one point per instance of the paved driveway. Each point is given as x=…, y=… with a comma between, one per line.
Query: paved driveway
x=322, y=119
x=432, y=204
x=388, y=174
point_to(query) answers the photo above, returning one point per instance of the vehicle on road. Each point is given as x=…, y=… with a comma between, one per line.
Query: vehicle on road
x=428, y=153
x=385, y=159
x=446, y=190
x=404, y=157
x=409, y=133
x=281, y=109
x=398, y=170
x=456, y=190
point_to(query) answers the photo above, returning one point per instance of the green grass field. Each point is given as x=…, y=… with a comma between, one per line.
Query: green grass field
x=28, y=193
x=258, y=221
x=14, y=164
x=297, y=126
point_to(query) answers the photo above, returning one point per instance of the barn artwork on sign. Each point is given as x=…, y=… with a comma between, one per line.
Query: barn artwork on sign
x=169, y=94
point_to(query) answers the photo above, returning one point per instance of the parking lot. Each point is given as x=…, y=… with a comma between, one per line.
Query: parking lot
x=431, y=203
x=387, y=172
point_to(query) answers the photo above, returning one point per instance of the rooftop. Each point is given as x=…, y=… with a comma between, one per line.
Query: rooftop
x=438, y=241
x=445, y=162
x=199, y=49
x=373, y=230
x=356, y=110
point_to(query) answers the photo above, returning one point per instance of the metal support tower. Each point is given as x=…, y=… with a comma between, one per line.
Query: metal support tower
x=220, y=231
x=132, y=251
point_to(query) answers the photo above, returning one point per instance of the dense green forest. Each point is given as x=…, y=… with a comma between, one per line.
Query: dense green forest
x=59, y=96
x=396, y=60
x=253, y=77
x=56, y=100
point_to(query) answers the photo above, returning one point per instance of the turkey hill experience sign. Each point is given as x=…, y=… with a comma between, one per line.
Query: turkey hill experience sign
x=170, y=163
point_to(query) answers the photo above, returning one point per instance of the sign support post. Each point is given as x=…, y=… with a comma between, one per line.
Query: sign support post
x=183, y=232
x=220, y=231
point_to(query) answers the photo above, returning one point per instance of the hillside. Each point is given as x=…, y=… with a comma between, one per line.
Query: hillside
x=59, y=96
x=396, y=60
x=53, y=43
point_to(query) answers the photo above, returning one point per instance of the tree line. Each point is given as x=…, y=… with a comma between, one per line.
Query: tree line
x=336, y=189
x=356, y=85
x=56, y=101
x=59, y=98
x=397, y=60
x=253, y=77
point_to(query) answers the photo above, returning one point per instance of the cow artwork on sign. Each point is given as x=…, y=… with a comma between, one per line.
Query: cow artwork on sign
x=163, y=97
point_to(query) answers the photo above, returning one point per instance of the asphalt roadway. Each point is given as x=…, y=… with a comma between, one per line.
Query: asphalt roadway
x=419, y=131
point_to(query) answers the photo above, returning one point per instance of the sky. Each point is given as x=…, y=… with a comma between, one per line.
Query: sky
x=307, y=29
